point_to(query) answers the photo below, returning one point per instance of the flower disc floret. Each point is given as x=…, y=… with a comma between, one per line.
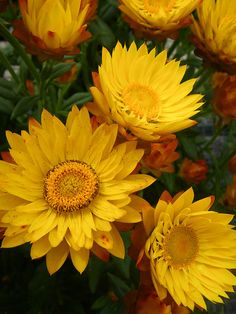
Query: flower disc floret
x=70, y=186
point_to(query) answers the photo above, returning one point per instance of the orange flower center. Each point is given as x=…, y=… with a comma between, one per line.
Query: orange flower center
x=70, y=186
x=180, y=246
x=141, y=100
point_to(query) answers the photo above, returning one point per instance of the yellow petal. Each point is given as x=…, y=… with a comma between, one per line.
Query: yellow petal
x=56, y=257
x=79, y=259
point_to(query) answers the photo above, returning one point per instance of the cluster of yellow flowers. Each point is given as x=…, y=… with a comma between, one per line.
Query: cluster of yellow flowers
x=69, y=187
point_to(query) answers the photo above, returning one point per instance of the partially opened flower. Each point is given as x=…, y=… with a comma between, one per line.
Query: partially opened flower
x=143, y=93
x=68, y=188
x=230, y=194
x=146, y=301
x=157, y=18
x=52, y=29
x=224, y=96
x=162, y=155
x=190, y=250
x=232, y=164
x=92, y=8
x=3, y=5
x=193, y=171
x=214, y=33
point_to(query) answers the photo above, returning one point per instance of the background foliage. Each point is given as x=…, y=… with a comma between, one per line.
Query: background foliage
x=26, y=286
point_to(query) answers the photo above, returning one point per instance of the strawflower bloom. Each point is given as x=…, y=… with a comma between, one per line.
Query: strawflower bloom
x=162, y=155
x=190, y=250
x=68, y=189
x=158, y=19
x=193, y=171
x=142, y=92
x=224, y=96
x=52, y=29
x=214, y=33
x=92, y=8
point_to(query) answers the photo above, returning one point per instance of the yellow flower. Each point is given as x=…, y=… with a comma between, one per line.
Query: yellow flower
x=52, y=28
x=190, y=250
x=157, y=18
x=214, y=33
x=68, y=188
x=142, y=92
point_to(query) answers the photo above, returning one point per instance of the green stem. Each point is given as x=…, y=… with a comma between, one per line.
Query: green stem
x=214, y=137
x=61, y=95
x=206, y=73
x=15, y=44
x=172, y=47
x=8, y=66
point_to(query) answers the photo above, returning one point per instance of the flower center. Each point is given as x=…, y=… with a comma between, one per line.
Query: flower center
x=141, y=100
x=70, y=186
x=180, y=246
x=153, y=6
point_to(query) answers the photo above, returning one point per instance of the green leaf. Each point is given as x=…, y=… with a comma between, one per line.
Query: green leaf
x=24, y=105
x=6, y=84
x=103, y=33
x=169, y=181
x=101, y=302
x=96, y=269
x=188, y=144
x=60, y=69
x=6, y=106
x=7, y=93
x=78, y=99
x=119, y=286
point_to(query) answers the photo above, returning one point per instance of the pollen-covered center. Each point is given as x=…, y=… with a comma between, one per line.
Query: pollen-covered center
x=141, y=100
x=70, y=186
x=180, y=246
x=153, y=6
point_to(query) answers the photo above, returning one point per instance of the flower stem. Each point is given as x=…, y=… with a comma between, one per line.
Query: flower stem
x=15, y=44
x=8, y=66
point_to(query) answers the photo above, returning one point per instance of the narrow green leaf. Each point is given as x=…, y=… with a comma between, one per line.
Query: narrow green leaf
x=24, y=105
x=6, y=106
x=188, y=144
x=103, y=33
x=21, y=51
x=60, y=69
x=101, y=302
x=7, y=93
x=6, y=83
x=78, y=98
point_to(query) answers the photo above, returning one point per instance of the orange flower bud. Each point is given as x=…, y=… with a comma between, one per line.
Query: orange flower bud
x=224, y=96
x=232, y=164
x=69, y=76
x=3, y=5
x=230, y=194
x=162, y=156
x=30, y=87
x=193, y=172
x=145, y=300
